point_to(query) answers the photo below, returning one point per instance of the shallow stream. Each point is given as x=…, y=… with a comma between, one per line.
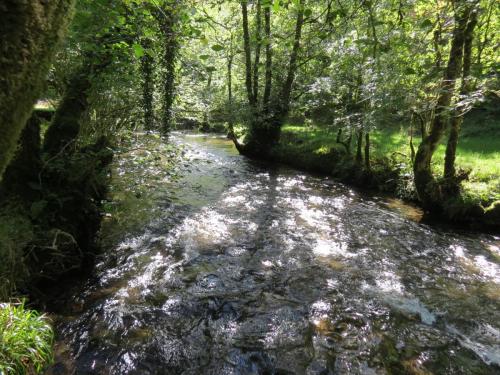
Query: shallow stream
x=230, y=266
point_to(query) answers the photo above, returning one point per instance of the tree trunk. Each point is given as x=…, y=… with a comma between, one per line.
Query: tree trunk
x=429, y=196
x=339, y=135
x=367, y=151
x=171, y=46
x=412, y=147
x=269, y=60
x=258, y=38
x=265, y=130
x=359, y=150
x=30, y=32
x=206, y=114
x=437, y=42
x=230, y=95
x=21, y=176
x=147, y=66
x=65, y=126
x=456, y=121
x=292, y=66
x=248, y=55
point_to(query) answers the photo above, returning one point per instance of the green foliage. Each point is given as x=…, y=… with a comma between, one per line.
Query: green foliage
x=138, y=50
x=26, y=340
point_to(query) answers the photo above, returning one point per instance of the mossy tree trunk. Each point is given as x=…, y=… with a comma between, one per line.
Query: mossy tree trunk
x=265, y=126
x=258, y=37
x=367, y=151
x=456, y=121
x=65, y=126
x=230, y=100
x=168, y=24
x=427, y=189
x=269, y=60
x=286, y=92
x=147, y=70
x=359, y=147
x=29, y=34
x=248, y=56
x=21, y=176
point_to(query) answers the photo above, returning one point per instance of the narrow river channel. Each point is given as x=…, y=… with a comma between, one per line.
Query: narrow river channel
x=239, y=267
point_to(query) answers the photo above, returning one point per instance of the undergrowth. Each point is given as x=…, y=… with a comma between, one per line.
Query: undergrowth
x=16, y=232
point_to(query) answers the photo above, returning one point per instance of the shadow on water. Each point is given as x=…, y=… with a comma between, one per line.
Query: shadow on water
x=242, y=268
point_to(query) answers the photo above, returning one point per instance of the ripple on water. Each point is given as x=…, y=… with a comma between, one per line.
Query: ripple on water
x=252, y=269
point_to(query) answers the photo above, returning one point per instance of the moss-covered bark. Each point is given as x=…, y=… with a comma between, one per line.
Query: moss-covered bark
x=456, y=122
x=29, y=35
x=65, y=126
x=266, y=123
x=20, y=179
x=147, y=72
x=248, y=54
x=168, y=26
x=427, y=188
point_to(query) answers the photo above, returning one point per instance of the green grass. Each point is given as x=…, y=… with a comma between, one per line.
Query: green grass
x=477, y=151
x=26, y=340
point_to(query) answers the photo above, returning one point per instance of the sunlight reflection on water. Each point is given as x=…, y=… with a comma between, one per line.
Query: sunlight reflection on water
x=248, y=267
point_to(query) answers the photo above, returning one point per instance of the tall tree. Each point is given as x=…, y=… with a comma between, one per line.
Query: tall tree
x=169, y=25
x=269, y=59
x=426, y=186
x=258, y=41
x=265, y=126
x=248, y=54
x=286, y=91
x=147, y=71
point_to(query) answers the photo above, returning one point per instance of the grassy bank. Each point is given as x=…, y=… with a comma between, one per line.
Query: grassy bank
x=315, y=148
x=480, y=154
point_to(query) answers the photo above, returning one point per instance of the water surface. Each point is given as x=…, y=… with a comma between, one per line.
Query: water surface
x=229, y=266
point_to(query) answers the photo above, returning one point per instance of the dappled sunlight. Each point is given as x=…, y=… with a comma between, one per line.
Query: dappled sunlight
x=328, y=248
x=205, y=230
x=477, y=264
x=261, y=265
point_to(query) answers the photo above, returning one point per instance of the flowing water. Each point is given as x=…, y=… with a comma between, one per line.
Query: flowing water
x=229, y=266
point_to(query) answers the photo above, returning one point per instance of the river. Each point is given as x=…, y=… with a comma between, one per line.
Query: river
x=231, y=266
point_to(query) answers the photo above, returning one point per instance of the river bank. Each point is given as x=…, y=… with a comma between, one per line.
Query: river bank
x=46, y=257
x=317, y=150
